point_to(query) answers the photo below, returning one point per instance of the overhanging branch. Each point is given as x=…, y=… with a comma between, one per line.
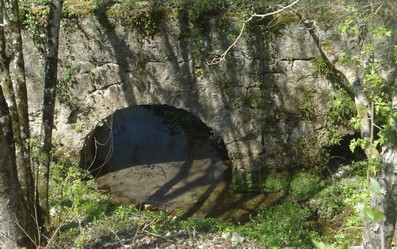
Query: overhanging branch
x=223, y=55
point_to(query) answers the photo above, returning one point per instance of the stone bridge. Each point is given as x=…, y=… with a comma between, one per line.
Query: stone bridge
x=265, y=100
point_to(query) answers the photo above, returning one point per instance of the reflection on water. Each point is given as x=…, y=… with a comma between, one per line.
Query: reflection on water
x=142, y=156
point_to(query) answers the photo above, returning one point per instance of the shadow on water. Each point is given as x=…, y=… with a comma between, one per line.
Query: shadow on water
x=167, y=159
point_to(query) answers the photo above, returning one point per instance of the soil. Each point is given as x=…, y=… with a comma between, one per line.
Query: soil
x=132, y=238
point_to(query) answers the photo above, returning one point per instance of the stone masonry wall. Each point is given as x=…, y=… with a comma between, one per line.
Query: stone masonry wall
x=265, y=100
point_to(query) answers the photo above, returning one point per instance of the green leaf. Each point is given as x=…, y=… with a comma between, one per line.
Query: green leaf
x=374, y=186
x=321, y=245
x=353, y=145
x=373, y=214
x=356, y=122
x=345, y=25
x=381, y=32
x=367, y=49
x=345, y=58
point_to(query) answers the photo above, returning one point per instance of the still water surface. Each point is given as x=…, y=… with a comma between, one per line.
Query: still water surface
x=150, y=161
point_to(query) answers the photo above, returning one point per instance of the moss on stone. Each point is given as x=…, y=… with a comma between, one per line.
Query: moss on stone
x=245, y=181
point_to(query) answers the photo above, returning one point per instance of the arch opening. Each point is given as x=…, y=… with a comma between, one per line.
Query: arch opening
x=341, y=154
x=147, y=135
x=160, y=157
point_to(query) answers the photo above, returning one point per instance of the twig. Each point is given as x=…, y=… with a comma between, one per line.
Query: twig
x=115, y=234
x=223, y=56
x=357, y=10
x=26, y=232
x=59, y=227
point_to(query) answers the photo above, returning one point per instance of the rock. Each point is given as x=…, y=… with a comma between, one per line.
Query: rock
x=225, y=235
x=236, y=239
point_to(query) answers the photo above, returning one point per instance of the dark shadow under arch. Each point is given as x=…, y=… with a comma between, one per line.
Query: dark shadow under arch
x=166, y=158
x=148, y=134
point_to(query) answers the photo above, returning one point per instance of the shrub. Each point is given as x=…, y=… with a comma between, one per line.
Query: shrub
x=305, y=184
x=276, y=182
x=283, y=225
x=74, y=199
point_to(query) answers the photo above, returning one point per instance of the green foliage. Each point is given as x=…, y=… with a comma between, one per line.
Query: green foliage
x=286, y=224
x=353, y=191
x=276, y=182
x=328, y=203
x=346, y=58
x=322, y=66
x=342, y=108
x=381, y=32
x=373, y=82
x=72, y=9
x=81, y=212
x=368, y=49
x=374, y=187
x=356, y=122
x=375, y=88
x=358, y=142
x=74, y=201
x=305, y=184
x=85, y=214
x=349, y=26
x=199, y=13
x=65, y=82
x=372, y=214
x=100, y=7
x=199, y=49
x=336, y=206
x=198, y=71
x=341, y=197
x=147, y=22
x=34, y=20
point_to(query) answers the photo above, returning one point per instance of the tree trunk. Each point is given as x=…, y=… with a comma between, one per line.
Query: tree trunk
x=14, y=215
x=15, y=228
x=18, y=101
x=17, y=209
x=382, y=234
x=11, y=235
x=49, y=105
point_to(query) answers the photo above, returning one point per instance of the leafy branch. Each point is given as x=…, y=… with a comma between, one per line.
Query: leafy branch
x=222, y=57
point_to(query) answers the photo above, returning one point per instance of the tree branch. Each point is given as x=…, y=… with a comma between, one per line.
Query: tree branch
x=222, y=57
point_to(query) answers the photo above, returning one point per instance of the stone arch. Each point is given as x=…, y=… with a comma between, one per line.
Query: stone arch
x=254, y=103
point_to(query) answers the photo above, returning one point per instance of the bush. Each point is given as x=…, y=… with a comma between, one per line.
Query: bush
x=305, y=184
x=276, y=182
x=283, y=225
x=336, y=206
x=74, y=199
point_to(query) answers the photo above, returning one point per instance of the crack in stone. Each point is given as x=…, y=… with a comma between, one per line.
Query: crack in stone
x=297, y=59
x=104, y=88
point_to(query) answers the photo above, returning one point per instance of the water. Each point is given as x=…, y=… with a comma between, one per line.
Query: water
x=144, y=156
